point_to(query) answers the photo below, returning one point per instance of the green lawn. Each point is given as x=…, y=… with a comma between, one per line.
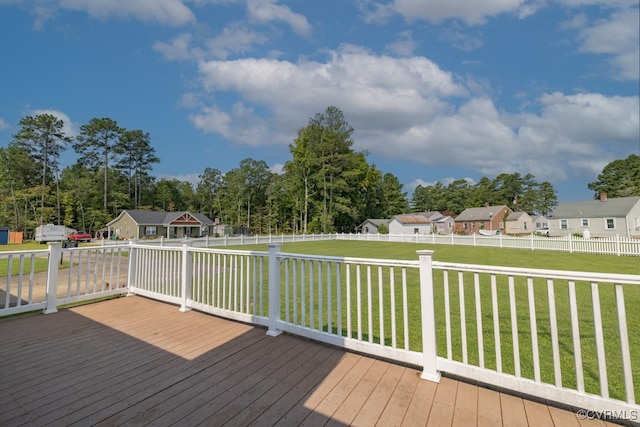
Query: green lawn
x=499, y=257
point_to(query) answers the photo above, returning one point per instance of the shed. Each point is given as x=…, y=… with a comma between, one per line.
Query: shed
x=4, y=235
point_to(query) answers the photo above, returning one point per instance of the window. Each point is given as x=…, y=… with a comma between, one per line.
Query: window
x=585, y=222
x=150, y=230
x=525, y=225
x=416, y=230
x=482, y=224
x=563, y=224
x=464, y=225
x=610, y=223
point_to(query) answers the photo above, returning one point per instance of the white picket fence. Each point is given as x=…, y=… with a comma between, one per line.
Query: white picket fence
x=568, y=337
x=571, y=244
x=605, y=246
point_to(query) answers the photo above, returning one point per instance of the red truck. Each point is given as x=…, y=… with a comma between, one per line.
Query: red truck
x=80, y=236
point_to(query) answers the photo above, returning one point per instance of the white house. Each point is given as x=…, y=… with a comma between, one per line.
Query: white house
x=600, y=218
x=540, y=221
x=518, y=223
x=371, y=226
x=410, y=224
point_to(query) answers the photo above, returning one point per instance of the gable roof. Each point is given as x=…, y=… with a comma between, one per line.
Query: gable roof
x=142, y=217
x=616, y=207
x=514, y=216
x=411, y=219
x=486, y=213
x=432, y=215
x=376, y=222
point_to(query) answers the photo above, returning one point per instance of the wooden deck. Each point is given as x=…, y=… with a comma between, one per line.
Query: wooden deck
x=133, y=361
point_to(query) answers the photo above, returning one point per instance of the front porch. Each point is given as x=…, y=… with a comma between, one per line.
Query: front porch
x=135, y=361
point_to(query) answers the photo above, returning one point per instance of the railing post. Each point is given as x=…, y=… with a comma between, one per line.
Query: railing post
x=186, y=277
x=274, y=290
x=52, y=278
x=427, y=303
x=132, y=270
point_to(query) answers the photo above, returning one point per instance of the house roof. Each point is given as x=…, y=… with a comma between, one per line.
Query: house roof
x=377, y=222
x=160, y=218
x=616, y=207
x=412, y=219
x=432, y=215
x=480, y=214
x=514, y=216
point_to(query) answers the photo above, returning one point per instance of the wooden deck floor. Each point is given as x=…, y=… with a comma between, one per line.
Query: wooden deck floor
x=133, y=361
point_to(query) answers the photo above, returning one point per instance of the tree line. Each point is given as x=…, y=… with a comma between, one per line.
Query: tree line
x=326, y=186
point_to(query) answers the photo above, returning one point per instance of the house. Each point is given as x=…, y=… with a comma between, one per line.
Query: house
x=440, y=224
x=519, y=223
x=539, y=221
x=138, y=224
x=371, y=226
x=598, y=218
x=489, y=218
x=410, y=224
x=444, y=225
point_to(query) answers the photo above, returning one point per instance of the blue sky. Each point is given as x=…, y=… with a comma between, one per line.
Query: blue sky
x=435, y=90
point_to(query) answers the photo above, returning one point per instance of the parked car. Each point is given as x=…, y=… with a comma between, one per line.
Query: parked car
x=543, y=231
x=80, y=236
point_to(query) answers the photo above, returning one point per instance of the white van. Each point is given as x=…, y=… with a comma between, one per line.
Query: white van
x=51, y=233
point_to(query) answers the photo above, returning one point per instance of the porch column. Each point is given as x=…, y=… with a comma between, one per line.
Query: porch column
x=274, y=290
x=187, y=277
x=52, y=278
x=427, y=305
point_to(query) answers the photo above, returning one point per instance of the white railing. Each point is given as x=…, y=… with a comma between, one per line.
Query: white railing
x=35, y=281
x=569, y=337
x=616, y=245
x=559, y=335
x=207, y=241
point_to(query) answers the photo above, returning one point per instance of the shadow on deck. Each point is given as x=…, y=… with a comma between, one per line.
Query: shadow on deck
x=134, y=361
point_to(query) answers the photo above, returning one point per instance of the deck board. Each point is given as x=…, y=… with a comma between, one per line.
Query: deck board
x=133, y=361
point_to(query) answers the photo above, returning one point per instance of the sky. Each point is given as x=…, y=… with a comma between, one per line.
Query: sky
x=435, y=90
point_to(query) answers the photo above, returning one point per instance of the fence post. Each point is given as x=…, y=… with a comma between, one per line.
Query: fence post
x=427, y=306
x=52, y=278
x=132, y=270
x=186, y=277
x=618, y=245
x=274, y=290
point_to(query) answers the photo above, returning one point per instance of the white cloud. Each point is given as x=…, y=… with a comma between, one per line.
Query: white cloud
x=267, y=11
x=405, y=108
x=234, y=39
x=178, y=49
x=404, y=46
x=618, y=36
x=471, y=12
x=3, y=125
x=168, y=12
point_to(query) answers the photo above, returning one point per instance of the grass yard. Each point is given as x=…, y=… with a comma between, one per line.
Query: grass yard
x=462, y=318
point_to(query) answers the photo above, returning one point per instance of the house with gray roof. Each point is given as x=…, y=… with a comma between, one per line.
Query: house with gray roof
x=487, y=219
x=410, y=224
x=140, y=224
x=599, y=218
x=371, y=226
x=518, y=223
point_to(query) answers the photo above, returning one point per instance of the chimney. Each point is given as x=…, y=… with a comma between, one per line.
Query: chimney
x=603, y=197
x=486, y=205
